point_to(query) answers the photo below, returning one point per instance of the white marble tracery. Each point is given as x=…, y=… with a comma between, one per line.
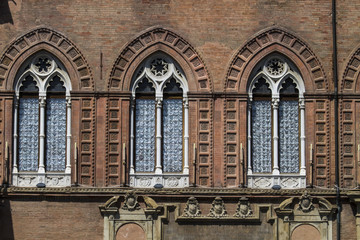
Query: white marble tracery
x=45, y=158
x=283, y=121
x=159, y=136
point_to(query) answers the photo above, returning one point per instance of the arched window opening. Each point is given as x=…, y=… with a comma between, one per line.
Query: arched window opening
x=159, y=126
x=42, y=123
x=276, y=125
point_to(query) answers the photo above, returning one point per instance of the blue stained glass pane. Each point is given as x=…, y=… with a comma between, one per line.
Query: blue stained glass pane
x=55, y=134
x=145, y=135
x=28, y=134
x=261, y=136
x=289, y=136
x=172, y=135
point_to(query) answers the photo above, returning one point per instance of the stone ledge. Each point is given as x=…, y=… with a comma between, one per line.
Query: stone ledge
x=12, y=190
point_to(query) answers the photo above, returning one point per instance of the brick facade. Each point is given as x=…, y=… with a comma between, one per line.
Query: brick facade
x=217, y=44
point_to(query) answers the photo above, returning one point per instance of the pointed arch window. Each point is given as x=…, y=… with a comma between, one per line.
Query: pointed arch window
x=42, y=117
x=276, y=125
x=159, y=126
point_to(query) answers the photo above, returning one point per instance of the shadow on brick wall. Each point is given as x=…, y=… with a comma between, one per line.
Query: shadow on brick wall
x=5, y=14
x=6, y=224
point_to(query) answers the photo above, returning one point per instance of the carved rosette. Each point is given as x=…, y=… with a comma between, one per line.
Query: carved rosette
x=243, y=208
x=218, y=208
x=131, y=203
x=192, y=208
x=305, y=203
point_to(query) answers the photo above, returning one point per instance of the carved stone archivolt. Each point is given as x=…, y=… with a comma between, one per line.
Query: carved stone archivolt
x=243, y=208
x=192, y=208
x=154, y=40
x=271, y=40
x=218, y=208
x=48, y=40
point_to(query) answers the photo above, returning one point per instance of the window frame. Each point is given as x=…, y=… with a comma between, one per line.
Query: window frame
x=275, y=82
x=158, y=176
x=43, y=80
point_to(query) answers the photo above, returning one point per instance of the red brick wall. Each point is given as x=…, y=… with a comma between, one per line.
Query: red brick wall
x=51, y=218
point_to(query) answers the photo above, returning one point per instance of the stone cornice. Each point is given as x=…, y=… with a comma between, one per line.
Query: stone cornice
x=208, y=192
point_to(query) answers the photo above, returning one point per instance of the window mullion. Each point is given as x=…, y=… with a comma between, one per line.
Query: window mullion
x=275, y=105
x=68, y=135
x=302, y=136
x=42, y=103
x=158, y=168
x=186, y=136
x=132, y=111
x=249, y=136
x=15, y=151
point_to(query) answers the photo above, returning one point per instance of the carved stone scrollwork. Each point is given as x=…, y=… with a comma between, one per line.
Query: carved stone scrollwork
x=131, y=202
x=192, y=208
x=218, y=208
x=243, y=208
x=305, y=203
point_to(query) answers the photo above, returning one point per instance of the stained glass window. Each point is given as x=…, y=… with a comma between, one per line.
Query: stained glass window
x=145, y=135
x=172, y=135
x=28, y=134
x=55, y=134
x=261, y=136
x=289, y=136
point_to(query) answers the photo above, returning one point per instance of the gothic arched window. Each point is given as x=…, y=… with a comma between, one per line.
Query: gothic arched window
x=159, y=125
x=42, y=117
x=276, y=125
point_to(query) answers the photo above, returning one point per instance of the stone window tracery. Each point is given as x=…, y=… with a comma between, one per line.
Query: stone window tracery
x=42, y=117
x=276, y=125
x=159, y=129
